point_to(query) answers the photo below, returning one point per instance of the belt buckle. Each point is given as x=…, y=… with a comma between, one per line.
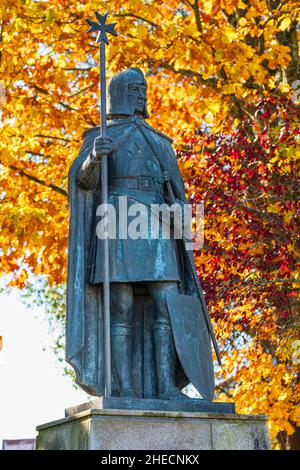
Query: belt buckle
x=132, y=183
x=145, y=183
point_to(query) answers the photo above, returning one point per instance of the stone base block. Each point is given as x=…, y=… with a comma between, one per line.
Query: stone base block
x=103, y=429
x=123, y=403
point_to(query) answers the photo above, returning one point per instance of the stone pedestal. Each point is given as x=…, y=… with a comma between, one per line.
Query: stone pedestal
x=129, y=429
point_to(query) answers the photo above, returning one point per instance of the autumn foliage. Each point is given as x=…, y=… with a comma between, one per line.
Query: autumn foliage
x=223, y=82
x=250, y=262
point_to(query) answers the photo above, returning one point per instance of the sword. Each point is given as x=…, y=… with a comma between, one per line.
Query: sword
x=102, y=39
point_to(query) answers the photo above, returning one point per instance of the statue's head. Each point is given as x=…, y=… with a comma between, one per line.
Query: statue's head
x=127, y=94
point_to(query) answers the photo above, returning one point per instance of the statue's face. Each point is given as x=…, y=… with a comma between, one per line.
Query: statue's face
x=137, y=94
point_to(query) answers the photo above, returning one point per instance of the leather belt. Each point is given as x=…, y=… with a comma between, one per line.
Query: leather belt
x=142, y=183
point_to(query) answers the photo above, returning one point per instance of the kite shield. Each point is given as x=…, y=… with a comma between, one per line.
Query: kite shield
x=192, y=342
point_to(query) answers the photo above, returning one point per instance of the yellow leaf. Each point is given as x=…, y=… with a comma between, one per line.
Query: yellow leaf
x=273, y=208
x=242, y=21
x=229, y=89
x=228, y=35
x=284, y=87
x=214, y=107
x=285, y=24
x=288, y=216
x=142, y=31
x=207, y=6
x=218, y=54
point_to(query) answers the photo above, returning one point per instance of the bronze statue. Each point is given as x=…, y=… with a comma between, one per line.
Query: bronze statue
x=146, y=274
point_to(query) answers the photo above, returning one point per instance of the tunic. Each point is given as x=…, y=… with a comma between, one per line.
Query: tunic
x=134, y=172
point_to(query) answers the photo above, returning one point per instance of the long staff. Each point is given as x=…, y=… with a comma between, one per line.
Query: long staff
x=102, y=39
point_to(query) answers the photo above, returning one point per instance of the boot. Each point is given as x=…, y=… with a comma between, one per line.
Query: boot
x=121, y=352
x=165, y=363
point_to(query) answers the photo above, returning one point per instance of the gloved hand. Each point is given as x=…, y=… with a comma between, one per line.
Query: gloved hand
x=102, y=146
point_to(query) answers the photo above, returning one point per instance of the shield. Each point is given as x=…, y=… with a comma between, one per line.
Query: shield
x=192, y=342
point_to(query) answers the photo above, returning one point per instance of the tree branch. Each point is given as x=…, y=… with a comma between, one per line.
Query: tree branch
x=35, y=179
x=132, y=15
x=55, y=138
x=197, y=15
x=81, y=91
x=64, y=105
x=1, y=38
x=61, y=103
x=37, y=154
x=76, y=69
x=187, y=2
x=212, y=82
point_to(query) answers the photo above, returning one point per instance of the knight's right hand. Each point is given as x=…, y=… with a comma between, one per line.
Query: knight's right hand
x=102, y=146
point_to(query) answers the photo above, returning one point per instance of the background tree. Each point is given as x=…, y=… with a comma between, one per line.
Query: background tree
x=221, y=66
x=250, y=262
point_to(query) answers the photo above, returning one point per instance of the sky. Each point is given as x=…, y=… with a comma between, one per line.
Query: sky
x=33, y=388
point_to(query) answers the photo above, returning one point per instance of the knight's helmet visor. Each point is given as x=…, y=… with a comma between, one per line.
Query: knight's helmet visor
x=118, y=98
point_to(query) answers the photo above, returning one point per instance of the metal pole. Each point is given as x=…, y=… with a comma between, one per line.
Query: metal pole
x=102, y=28
x=104, y=194
x=103, y=89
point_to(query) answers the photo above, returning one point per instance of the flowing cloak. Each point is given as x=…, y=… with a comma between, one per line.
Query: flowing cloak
x=84, y=325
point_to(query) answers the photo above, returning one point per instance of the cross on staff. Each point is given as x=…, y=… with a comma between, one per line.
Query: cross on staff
x=102, y=39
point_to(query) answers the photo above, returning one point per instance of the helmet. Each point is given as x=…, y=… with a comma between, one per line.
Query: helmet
x=119, y=100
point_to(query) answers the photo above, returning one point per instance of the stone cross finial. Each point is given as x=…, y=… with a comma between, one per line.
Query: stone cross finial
x=101, y=27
